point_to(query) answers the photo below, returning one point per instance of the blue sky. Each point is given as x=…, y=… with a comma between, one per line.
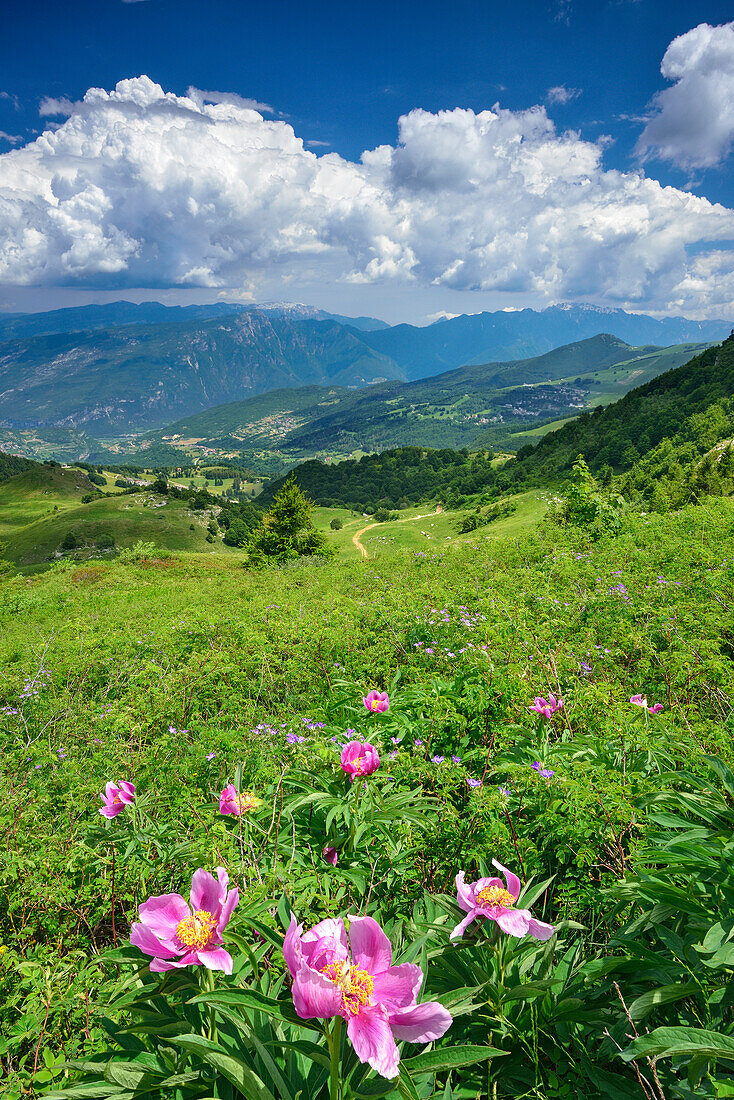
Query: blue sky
x=341, y=76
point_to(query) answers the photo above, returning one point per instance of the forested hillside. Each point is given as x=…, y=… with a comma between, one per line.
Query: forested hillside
x=620, y=434
x=392, y=478
x=10, y=465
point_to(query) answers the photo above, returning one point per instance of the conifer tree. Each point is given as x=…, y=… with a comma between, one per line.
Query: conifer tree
x=287, y=530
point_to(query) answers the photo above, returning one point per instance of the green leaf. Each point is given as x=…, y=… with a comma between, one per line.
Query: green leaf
x=451, y=1058
x=247, y=999
x=663, y=995
x=234, y=1069
x=668, y=1042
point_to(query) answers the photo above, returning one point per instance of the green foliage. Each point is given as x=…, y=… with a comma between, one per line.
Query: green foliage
x=141, y=551
x=381, y=480
x=185, y=674
x=287, y=531
x=586, y=505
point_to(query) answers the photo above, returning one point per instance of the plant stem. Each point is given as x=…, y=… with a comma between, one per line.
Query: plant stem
x=334, y=1039
x=208, y=976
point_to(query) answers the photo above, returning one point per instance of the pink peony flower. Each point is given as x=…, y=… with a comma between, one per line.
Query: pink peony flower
x=116, y=798
x=641, y=701
x=331, y=856
x=376, y=701
x=359, y=758
x=488, y=898
x=355, y=979
x=546, y=707
x=237, y=804
x=177, y=936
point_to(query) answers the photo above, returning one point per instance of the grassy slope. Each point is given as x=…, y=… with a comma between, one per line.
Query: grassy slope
x=30, y=496
x=127, y=519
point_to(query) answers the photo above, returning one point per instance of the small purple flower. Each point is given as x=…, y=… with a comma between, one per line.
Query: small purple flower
x=211, y=755
x=473, y=782
x=417, y=744
x=456, y=759
x=545, y=773
x=437, y=759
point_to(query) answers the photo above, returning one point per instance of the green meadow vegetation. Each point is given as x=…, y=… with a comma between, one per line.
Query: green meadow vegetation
x=189, y=675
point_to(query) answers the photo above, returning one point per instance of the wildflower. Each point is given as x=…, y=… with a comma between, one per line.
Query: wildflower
x=437, y=759
x=546, y=773
x=354, y=978
x=331, y=856
x=473, y=782
x=456, y=759
x=177, y=935
x=359, y=758
x=237, y=804
x=376, y=701
x=210, y=755
x=546, y=707
x=505, y=791
x=641, y=701
x=294, y=739
x=116, y=798
x=489, y=899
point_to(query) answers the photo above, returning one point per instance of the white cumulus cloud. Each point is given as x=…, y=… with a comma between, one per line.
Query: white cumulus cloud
x=140, y=187
x=693, y=121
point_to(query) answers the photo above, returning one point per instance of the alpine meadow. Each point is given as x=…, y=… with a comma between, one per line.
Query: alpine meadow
x=367, y=551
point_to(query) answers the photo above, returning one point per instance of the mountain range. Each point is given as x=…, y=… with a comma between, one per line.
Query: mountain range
x=484, y=404
x=122, y=367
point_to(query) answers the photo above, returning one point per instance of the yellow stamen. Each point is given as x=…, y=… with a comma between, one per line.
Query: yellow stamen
x=355, y=984
x=247, y=802
x=495, y=895
x=197, y=930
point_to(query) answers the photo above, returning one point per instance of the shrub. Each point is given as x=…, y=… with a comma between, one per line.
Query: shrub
x=142, y=551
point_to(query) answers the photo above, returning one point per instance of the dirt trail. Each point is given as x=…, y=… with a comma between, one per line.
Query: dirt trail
x=356, y=537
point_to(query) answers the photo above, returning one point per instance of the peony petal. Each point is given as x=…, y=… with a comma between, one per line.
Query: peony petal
x=216, y=958
x=163, y=914
x=540, y=929
x=513, y=882
x=314, y=996
x=230, y=903
x=373, y=1040
x=397, y=987
x=148, y=942
x=421, y=1023
x=514, y=921
x=326, y=942
x=371, y=949
x=462, y=927
x=158, y=966
x=464, y=893
x=205, y=893
x=292, y=946
x=111, y=811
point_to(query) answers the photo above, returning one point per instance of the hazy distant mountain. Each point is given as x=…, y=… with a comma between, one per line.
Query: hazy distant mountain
x=118, y=367
x=477, y=403
x=136, y=376
x=479, y=338
x=91, y=317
